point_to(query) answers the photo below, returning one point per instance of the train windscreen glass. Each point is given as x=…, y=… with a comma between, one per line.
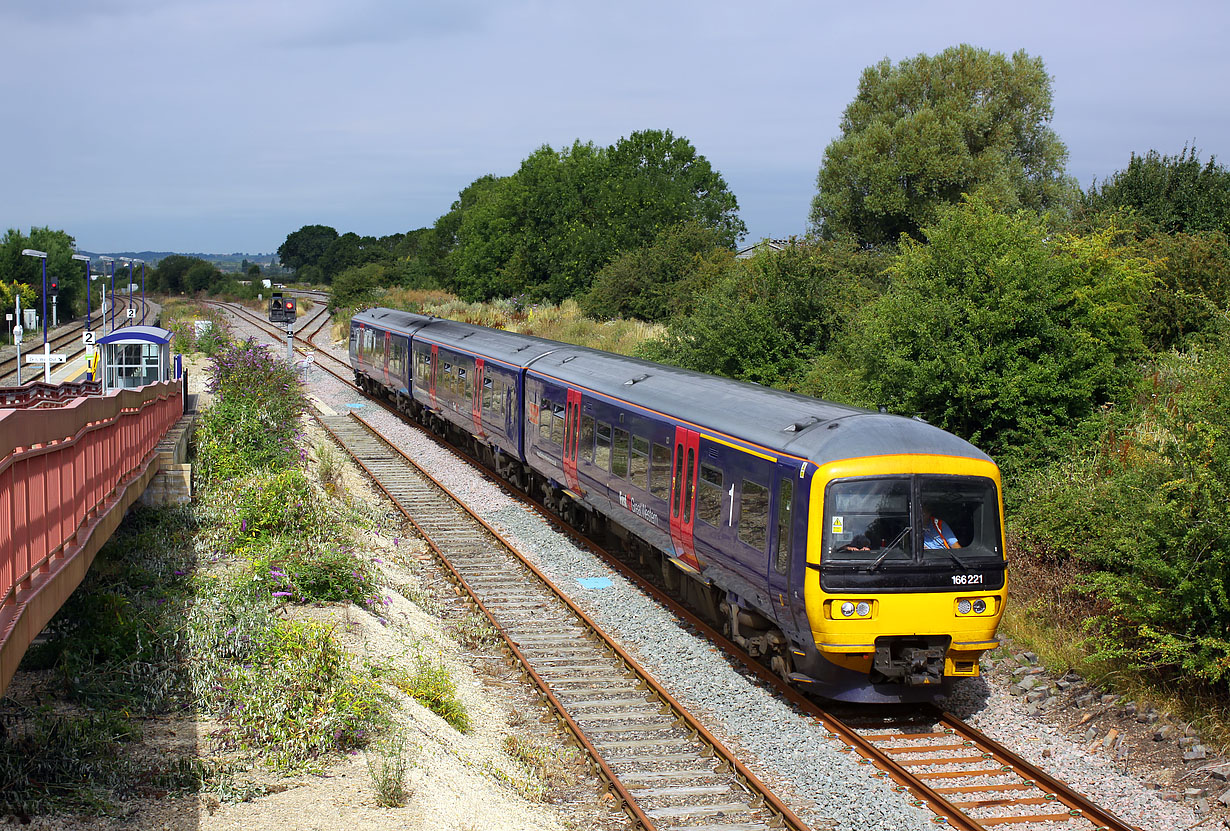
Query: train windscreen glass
x=932, y=519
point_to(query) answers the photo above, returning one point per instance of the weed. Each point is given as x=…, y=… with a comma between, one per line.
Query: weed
x=555, y=769
x=328, y=467
x=476, y=632
x=388, y=771
x=431, y=685
x=294, y=696
x=304, y=571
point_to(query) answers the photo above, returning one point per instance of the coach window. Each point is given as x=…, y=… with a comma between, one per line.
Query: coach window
x=544, y=419
x=754, y=515
x=785, y=506
x=640, y=461
x=488, y=394
x=446, y=369
x=660, y=472
x=709, y=496
x=586, y=447
x=619, y=456
x=557, y=424
x=603, y=456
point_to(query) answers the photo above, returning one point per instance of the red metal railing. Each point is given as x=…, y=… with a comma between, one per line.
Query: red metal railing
x=62, y=471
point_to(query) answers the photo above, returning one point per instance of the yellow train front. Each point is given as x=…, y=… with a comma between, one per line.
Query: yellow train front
x=906, y=574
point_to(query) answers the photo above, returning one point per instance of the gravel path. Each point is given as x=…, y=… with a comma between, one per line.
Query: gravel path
x=825, y=785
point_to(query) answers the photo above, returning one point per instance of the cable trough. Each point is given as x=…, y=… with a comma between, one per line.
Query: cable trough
x=667, y=770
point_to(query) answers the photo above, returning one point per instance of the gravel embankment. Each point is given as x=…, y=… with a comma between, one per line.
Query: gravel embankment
x=824, y=785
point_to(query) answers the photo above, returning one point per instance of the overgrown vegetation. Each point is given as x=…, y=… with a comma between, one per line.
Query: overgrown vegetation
x=192, y=611
x=956, y=273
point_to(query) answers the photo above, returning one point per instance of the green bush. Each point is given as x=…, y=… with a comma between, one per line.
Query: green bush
x=766, y=319
x=253, y=423
x=295, y=696
x=1145, y=511
x=1002, y=332
x=300, y=570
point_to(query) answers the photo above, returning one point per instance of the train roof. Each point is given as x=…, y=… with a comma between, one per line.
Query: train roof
x=784, y=422
x=498, y=344
x=393, y=319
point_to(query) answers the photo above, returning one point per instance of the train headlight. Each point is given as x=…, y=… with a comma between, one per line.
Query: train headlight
x=963, y=606
x=863, y=608
x=847, y=608
x=980, y=606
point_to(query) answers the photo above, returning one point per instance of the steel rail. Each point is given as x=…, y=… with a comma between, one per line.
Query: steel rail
x=924, y=794
x=628, y=800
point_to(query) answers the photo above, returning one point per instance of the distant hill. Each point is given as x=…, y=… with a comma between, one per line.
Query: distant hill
x=224, y=262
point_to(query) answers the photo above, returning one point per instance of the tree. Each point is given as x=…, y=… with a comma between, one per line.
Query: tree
x=765, y=319
x=920, y=134
x=1173, y=194
x=548, y=228
x=171, y=272
x=659, y=281
x=61, y=268
x=1002, y=332
x=306, y=246
x=351, y=288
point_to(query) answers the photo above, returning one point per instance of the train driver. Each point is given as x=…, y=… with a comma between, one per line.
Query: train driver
x=936, y=532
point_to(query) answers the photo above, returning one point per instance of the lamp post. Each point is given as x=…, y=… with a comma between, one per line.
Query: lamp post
x=104, y=261
x=142, y=262
x=128, y=262
x=42, y=255
x=83, y=258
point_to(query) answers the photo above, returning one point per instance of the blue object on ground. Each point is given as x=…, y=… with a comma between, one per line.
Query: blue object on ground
x=594, y=582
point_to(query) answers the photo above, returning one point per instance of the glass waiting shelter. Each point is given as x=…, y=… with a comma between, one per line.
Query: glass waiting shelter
x=135, y=356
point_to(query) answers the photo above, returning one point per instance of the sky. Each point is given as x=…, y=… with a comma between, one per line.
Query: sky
x=221, y=126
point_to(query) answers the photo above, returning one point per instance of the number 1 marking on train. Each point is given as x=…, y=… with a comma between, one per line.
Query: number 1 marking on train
x=730, y=521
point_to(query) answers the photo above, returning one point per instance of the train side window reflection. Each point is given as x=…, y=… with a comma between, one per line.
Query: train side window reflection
x=544, y=419
x=603, y=456
x=640, y=461
x=785, y=505
x=488, y=394
x=709, y=496
x=660, y=471
x=557, y=424
x=619, y=455
x=754, y=515
x=586, y=447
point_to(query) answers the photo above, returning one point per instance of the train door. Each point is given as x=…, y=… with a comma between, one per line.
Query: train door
x=388, y=351
x=572, y=432
x=360, y=347
x=787, y=564
x=433, y=372
x=683, y=495
x=476, y=404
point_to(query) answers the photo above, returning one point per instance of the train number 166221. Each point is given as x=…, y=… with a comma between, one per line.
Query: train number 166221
x=967, y=579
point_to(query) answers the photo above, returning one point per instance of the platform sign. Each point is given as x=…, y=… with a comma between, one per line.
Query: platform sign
x=87, y=338
x=132, y=313
x=54, y=358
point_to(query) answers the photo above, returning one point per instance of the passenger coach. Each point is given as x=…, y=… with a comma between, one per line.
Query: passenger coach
x=861, y=554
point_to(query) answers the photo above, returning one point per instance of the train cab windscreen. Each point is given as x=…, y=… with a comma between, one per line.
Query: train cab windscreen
x=928, y=520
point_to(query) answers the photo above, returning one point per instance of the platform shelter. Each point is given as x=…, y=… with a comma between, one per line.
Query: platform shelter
x=135, y=356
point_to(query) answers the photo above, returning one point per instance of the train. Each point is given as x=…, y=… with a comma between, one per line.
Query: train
x=857, y=553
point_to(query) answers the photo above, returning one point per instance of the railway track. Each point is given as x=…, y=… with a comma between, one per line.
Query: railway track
x=965, y=778
x=67, y=339
x=660, y=761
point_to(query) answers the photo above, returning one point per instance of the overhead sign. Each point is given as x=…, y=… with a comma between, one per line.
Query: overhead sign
x=54, y=358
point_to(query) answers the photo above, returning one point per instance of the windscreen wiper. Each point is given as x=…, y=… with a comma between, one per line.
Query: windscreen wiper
x=888, y=549
x=954, y=557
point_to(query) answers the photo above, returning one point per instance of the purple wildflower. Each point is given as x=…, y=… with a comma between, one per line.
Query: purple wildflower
x=282, y=594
